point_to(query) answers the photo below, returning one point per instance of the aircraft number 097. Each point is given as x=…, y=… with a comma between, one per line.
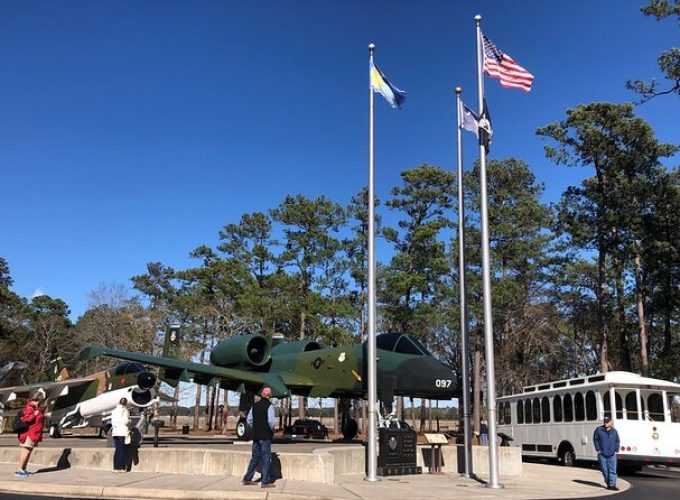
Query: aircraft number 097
x=444, y=383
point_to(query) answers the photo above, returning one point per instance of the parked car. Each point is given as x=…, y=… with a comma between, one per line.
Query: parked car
x=306, y=429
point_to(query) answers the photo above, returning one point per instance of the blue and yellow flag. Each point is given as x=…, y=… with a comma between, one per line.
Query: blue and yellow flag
x=380, y=84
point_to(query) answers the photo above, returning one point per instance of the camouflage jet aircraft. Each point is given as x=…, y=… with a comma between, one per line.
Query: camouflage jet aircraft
x=11, y=373
x=246, y=363
x=83, y=401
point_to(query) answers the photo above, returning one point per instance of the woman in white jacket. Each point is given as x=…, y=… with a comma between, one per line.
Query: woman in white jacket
x=120, y=422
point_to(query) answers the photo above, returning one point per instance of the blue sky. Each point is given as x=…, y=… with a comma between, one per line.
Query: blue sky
x=132, y=131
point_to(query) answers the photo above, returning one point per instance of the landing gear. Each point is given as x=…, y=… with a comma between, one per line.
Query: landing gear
x=350, y=429
x=243, y=431
x=104, y=431
x=348, y=425
x=54, y=431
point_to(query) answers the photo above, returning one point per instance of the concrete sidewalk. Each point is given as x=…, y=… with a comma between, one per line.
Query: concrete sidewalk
x=538, y=481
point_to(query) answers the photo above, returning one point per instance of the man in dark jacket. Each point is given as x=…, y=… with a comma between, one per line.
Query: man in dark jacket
x=606, y=441
x=261, y=419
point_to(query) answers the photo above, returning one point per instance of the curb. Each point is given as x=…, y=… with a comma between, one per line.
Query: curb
x=87, y=491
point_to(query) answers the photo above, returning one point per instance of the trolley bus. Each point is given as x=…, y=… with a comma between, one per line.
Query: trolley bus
x=558, y=419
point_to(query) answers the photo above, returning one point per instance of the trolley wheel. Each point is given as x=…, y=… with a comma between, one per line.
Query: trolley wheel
x=568, y=458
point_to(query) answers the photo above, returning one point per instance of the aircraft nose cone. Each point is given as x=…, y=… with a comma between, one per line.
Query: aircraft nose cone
x=146, y=380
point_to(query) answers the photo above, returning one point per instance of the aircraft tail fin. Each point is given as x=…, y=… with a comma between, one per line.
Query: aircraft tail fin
x=171, y=349
x=56, y=369
x=171, y=343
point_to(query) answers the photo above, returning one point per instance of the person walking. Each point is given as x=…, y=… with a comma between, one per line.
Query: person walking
x=120, y=422
x=606, y=441
x=484, y=433
x=34, y=415
x=262, y=419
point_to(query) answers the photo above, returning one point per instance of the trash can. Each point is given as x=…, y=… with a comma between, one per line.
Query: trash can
x=185, y=429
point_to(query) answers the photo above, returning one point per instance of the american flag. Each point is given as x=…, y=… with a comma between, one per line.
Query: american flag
x=502, y=66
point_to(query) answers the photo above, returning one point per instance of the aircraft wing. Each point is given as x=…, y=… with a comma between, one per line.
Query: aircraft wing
x=52, y=389
x=202, y=373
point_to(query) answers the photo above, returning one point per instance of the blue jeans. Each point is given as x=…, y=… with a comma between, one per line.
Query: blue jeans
x=608, y=468
x=262, y=452
x=484, y=439
x=119, y=454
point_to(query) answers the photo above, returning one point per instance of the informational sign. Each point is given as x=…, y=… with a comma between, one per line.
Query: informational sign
x=436, y=439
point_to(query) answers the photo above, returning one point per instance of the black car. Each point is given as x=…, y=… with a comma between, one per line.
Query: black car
x=306, y=429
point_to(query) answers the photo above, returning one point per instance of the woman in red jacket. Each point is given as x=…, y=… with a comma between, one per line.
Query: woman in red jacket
x=34, y=416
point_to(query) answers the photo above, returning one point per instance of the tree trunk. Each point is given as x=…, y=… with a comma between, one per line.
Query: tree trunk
x=302, y=401
x=336, y=417
x=476, y=391
x=173, y=412
x=423, y=414
x=211, y=408
x=642, y=321
x=199, y=391
x=197, y=406
x=602, y=331
x=413, y=414
x=626, y=362
x=668, y=311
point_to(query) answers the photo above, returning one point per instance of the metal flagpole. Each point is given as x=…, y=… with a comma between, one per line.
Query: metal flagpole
x=372, y=457
x=465, y=356
x=486, y=278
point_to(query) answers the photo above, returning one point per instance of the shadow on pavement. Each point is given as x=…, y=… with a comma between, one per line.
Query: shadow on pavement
x=588, y=483
x=62, y=463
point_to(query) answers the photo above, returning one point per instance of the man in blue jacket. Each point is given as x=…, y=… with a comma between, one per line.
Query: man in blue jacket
x=606, y=441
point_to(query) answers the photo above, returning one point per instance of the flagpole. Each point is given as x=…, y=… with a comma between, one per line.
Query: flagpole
x=465, y=356
x=486, y=278
x=372, y=456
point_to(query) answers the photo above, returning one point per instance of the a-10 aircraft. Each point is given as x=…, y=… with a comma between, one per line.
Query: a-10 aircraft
x=247, y=363
x=86, y=401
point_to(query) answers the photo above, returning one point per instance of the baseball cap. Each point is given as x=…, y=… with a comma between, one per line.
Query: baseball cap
x=266, y=392
x=607, y=419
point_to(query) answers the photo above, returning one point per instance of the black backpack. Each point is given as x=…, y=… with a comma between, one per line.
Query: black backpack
x=19, y=427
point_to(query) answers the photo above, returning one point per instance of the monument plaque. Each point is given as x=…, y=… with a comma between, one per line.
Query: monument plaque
x=397, y=452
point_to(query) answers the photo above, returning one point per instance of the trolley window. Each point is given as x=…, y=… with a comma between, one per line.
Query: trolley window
x=674, y=405
x=557, y=409
x=520, y=411
x=631, y=406
x=618, y=401
x=527, y=411
x=655, y=405
x=545, y=409
x=568, y=409
x=579, y=407
x=537, y=410
x=606, y=403
x=591, y=406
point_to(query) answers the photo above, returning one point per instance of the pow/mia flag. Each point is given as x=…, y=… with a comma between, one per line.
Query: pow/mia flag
x=485, y=130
